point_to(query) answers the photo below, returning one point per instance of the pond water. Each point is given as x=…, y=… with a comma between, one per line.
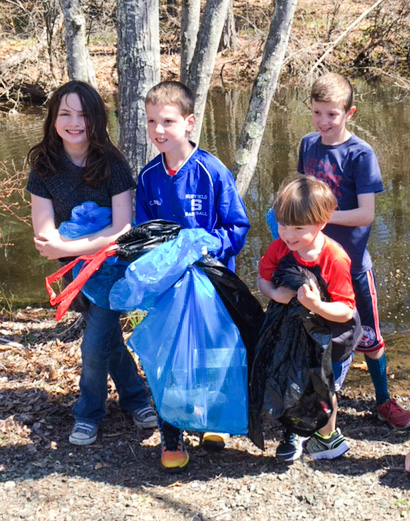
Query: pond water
x=382, y=119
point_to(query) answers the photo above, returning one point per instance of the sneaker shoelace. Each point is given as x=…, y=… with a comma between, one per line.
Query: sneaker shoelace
x=145, y=411
x=172, y=437
x=393, y=408
x=292, y=438
x=85, y=427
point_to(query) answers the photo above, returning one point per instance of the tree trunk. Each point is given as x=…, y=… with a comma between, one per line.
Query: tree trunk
x=263, y=90
x=138, y=71
x=79, y=62
x=190, y=16
x=229, y=40
x=203, y=61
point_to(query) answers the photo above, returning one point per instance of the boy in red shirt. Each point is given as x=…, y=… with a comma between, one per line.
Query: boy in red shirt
x=303, y=207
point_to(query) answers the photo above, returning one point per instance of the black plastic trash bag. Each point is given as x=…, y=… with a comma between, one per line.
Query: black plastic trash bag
x=145, y=237
x=292, y=375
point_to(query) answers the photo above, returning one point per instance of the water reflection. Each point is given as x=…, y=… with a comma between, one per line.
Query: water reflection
x=382, y=119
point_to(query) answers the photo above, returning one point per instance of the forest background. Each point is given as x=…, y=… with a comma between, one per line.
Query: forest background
x=128, y=46
x=33, y=59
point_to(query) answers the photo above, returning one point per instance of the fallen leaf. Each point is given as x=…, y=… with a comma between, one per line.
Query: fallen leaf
x=101, y=465
x=360, y=365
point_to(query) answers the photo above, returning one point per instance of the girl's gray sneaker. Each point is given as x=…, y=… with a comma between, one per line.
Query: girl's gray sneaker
x=83, y=433
x=145, y=417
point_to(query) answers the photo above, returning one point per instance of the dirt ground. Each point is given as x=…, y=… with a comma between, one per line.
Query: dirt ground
x=43, y=477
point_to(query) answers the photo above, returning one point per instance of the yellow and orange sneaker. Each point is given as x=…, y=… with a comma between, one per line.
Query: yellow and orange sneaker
x=174, y=456
x=215, y=440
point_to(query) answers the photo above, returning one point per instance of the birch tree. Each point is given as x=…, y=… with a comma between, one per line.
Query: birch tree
x=263, y=90
x=190, y=16
x=138, y=71
x=78, y=58
x=229, y=39
x=203, y=61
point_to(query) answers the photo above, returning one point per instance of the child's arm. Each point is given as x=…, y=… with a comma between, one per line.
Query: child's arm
x=51, y=245
x=363, y=215
x=309, y=296
x=280, y=294
x=233, y=224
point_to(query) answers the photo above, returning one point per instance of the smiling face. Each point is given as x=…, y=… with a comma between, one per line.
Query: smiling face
x=330, y=118
x=168, y=129
x=70, y=123
x=302, y=238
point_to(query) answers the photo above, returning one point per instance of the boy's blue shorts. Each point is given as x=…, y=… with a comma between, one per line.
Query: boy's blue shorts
x=365, y=289
x=340, y=370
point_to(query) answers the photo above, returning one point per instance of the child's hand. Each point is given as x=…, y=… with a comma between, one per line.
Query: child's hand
x=280, y=294
x=309, y=296
x=283, y=295
x=50, y=246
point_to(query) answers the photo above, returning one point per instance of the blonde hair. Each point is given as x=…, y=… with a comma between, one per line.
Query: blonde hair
x=304, y=200
x=334, y=88
x=172, y=93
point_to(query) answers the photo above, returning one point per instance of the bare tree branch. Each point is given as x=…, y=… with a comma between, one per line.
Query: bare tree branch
x=344, y=34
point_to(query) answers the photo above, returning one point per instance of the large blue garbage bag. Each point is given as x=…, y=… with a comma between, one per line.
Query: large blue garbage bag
x=155, y=272
x=194, y=357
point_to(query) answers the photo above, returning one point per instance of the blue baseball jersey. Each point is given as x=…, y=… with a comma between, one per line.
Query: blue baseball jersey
x=350, y=169
x=202, y=194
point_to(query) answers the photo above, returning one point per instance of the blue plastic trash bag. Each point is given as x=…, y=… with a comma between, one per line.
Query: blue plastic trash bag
x=273, y=223
x=85, y=219
x=194, y=358
x=98, y=286
x=156, y=271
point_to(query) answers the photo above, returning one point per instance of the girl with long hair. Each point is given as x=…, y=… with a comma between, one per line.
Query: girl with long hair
x=75, y=162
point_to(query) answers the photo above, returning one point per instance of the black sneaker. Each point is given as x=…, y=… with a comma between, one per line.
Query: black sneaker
x=291, y=447
x=174, y=456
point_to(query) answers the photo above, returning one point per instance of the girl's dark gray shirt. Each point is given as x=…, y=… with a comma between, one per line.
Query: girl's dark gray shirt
x=68, y=189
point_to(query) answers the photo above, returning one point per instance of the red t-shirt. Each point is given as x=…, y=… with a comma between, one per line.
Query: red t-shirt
x=171, y=171
x=331, y=267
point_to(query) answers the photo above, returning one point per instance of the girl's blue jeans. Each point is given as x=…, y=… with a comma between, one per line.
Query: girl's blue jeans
x=103, y=353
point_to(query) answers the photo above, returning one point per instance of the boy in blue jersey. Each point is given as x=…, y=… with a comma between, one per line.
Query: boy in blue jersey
x=192, y=187
x=350, y=167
